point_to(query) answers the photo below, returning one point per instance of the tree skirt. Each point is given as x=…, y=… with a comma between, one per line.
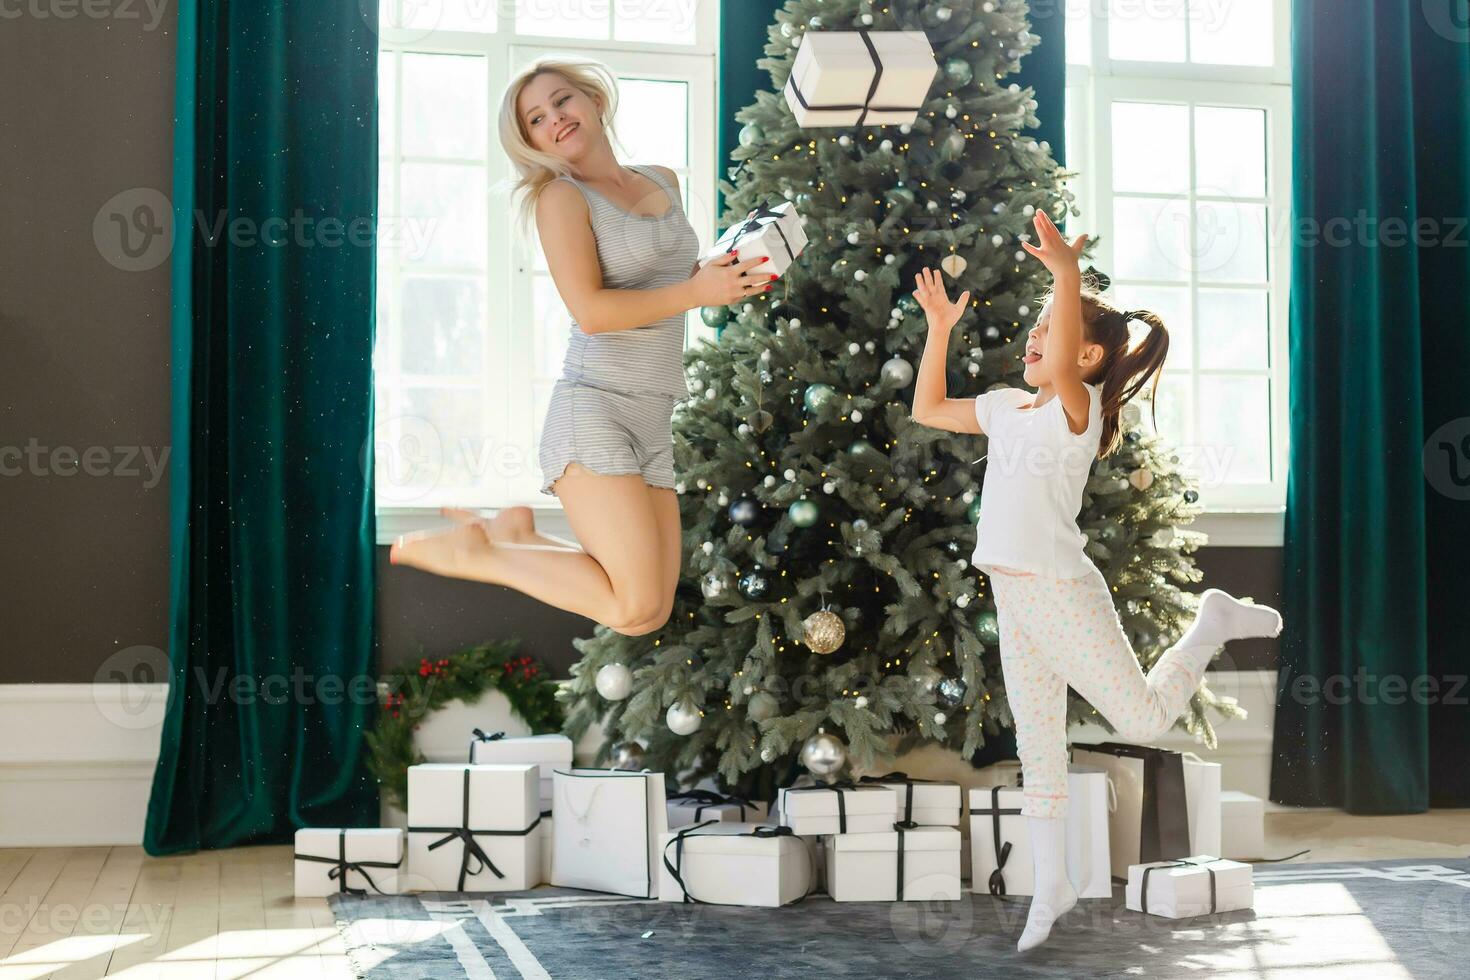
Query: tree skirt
x=1378, y=919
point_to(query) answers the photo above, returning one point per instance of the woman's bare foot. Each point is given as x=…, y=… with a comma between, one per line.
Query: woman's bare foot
x=513, y=525
x=446, y=551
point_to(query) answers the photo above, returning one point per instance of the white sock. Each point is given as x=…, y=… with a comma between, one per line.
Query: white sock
x=1222, y=618
x=1054, y=892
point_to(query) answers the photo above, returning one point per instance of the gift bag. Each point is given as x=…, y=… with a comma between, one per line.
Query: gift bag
x=860, y=78
x=607, y=829
x=1089, y=806
x=1202, y=791
x=1151, y=820
x=776, y=234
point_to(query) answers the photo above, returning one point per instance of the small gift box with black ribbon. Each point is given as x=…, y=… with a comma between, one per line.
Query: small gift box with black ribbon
x=473, y=828
x=837, y=808
x=547, y=751
x=718, y=863
x=351, y=861
x=921, y=802
x=916, y=864
x=1201, y=885
x=775, y=233
x=860, y=78
x=1000, y=847
x=698, y=805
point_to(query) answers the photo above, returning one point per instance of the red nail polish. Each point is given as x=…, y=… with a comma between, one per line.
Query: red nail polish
x=768, y=289
x=773, y=278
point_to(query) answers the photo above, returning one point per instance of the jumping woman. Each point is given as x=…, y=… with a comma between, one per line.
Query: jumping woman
x=1058, y=624
x=624, y=259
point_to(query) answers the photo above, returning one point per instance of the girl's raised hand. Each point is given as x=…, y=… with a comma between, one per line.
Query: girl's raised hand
x=1059, y=258
x=934, y=300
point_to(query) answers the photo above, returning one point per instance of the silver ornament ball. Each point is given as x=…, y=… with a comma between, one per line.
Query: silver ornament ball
x=683, y=718
x=823, y=754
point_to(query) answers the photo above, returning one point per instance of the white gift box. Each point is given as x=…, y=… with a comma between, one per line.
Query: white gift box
x=867, y=867
x=1202, y=795
x=548, y=752
x=776, y=234
x=332, y=860
x=996, y=810
x=812, y=810
x=735, y=864
x=699, y=806
x=607, y=830
x=832, y=79
x=546, y=830
x=926, y=803
x=1242, y=826
x=472, y=828
x=1179, y=889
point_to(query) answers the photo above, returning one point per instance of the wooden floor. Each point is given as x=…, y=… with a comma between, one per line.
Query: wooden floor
x=84, y=912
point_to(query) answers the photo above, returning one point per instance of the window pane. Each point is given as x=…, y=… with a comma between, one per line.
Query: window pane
x=553, y=327
x=1171, y=303
x=1150, y=147
x=443, y=325
x=451, y=424
x=1078, y=29
x=1233, y=329
x=653, y=121
x=1175, y=412
x=1230, y=241
x=444, y=214
x=1146, y=31
x=444, y=106
x=654, y=20
x=408, y=453
x=1230, y=151
x=1151, y=238
x=1235, y=429
x=565, y=18
x=477, y=16
x=1235, y=33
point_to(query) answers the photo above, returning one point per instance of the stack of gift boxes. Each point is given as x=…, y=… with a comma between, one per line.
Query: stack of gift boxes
x=519, y=814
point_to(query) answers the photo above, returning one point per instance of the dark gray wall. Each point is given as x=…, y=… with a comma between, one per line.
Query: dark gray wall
x=84, y=363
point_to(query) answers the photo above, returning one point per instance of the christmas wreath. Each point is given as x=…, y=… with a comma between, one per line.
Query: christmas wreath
x=465, y=676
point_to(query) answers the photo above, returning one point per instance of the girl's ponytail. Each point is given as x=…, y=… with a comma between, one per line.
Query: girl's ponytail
x=1124, y=369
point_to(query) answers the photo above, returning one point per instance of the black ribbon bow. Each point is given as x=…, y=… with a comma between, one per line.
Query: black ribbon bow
x=707, y=799
x=996, y=883
x=479, y=737
x=1143, y=888
x=839, y=787
x=866, y=105
x=907, y=782
x=343, y=866
x=676, y=868
x=472, y=848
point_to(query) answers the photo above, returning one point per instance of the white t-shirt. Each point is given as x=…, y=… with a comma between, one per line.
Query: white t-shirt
x=1035, y=473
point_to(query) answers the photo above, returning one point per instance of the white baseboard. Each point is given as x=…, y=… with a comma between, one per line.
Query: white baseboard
x=77, y=760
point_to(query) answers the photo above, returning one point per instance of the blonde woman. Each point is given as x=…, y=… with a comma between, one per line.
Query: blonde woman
x=624, y=260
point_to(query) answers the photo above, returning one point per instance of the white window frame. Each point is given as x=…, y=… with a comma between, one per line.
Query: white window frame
x=1240, y=514
x=511, y=259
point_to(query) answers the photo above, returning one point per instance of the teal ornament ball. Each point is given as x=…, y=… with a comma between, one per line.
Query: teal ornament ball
x=818, y=395
x=973, y=511
x=987, y=627
x=754, y=584
x=959, y=71
x=715, y=316
x=908, y=304
x=903, y=195
x=861, y=447
x=751, y=134
x=803, y=513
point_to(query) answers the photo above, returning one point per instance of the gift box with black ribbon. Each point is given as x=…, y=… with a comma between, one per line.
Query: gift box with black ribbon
x=350, y=861
x=735, y=864
x=1200, y=885
x=921, y=802
x=776, y=234
x=1000, y=847
x=547, y=752
x=915, y=864
x=473, y=828
x=860, y=78
x=836, y=808
x=698, y=805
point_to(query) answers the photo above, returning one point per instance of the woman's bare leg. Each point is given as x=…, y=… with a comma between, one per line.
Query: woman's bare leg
x=671, y=548
x=616, y=582
x=513, y=525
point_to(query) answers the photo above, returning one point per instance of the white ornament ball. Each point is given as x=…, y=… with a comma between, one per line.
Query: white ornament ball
x=931, y=206
x=951, y=112
x=614, y=681
x=940, y=718
x=867, y=20
x=889, y=259
x=794, y=323
x=708, y=547
x=748, y=308
x=679, y=487
x=1023, y=310
x=709, y=394
x=870, y=346
x=790, y=475
x=769, y=481
x=856, y=416
x=886, y=146
x=743, y=429
x=905, y=128
x=1020, y=255
x=766, y=355
x=723, y=499
x=968, y=496
x=861, y=702
x=997, y=240
x=844, y=140
x=853, y=238
x=829, y=487
x=1029, y=210
x=854, y=348
x=767, y=755
x=943, y=14
x=701, y=483
x=962, y=601
x=683, y=718
x=859, y=275
x=973, y=367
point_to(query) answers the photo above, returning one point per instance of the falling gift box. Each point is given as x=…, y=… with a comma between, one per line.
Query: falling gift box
x=837, y=808
x=350, y=861
x=1242, y=826
x=921, y=802
x=1199, y=885
x=735, y=864
x=608, y=826
x=906, y=865
x=473, y=827
x=775, y=234
x=860, y=78
x=547, y=752
x=698, y=805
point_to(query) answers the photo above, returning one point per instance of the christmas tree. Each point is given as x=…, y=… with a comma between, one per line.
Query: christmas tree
x=826, y=586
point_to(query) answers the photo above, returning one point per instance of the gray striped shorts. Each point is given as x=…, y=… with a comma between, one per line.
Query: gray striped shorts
x=609, y=432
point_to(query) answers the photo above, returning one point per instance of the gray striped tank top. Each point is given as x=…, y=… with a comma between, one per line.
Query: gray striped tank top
x=636, y=252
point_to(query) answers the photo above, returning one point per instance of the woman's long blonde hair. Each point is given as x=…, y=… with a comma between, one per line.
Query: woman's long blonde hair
x=535, y=169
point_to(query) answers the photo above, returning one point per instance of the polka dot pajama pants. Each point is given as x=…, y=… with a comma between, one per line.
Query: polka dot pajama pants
x=1056, y=632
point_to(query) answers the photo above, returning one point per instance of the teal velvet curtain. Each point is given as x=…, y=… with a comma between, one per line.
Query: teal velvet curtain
x=275, y=183
x=1371, y=711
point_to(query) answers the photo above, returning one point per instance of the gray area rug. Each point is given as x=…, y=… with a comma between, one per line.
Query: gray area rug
x=1377, y=919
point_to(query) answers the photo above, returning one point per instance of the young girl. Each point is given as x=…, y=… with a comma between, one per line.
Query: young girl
x=1058, y=624
x=624, y=259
